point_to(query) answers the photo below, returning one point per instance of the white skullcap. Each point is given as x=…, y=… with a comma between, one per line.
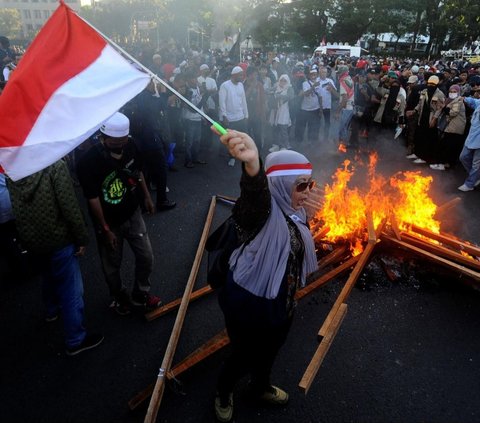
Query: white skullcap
x=204, y=67
x=236, y=69
x=116, y=126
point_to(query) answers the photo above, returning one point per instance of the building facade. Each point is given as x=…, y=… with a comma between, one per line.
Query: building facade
x=34, y=13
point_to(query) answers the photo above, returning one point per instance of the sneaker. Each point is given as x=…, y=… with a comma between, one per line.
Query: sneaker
x=147, y=300
x=167, y=189
x=121, y=308
x=50, y=319
x=231, y=162
x=224, y=412
x=476, y=184
x=166, y=205
x=91, y=341
x=411, y=156
x=419, y=161
x=464, y=188
x=274, y=148
x=439, y=166
x=275, y=395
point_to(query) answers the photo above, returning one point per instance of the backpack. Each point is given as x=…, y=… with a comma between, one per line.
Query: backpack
x=220, y=246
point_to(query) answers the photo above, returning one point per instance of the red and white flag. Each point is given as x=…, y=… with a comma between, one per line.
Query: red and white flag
x=67, y=84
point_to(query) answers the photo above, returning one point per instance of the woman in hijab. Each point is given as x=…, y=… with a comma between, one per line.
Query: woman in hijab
x=280, y=116
x=258, y=298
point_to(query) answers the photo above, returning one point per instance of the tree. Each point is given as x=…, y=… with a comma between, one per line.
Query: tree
x=10, y=22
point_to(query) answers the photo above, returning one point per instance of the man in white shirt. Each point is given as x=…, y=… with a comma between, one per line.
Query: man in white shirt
x=233, y=111
x=326, y=88
x=309, y=113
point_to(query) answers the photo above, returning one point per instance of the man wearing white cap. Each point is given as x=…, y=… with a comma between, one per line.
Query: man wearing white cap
x=233, y=110
x=110, y=175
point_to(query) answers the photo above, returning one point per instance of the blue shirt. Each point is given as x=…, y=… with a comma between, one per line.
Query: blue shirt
x=5, y=204
x=473, y=138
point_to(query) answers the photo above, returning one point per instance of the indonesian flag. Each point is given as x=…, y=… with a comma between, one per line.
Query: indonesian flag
x=67, y=84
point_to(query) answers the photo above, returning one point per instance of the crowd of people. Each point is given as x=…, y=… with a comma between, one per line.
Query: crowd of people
x=281, y=102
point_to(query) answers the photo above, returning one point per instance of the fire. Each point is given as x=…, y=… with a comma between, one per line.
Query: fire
x=342, y=148
x=344, y=211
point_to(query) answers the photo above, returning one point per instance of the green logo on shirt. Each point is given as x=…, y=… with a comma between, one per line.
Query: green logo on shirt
x=113, y=189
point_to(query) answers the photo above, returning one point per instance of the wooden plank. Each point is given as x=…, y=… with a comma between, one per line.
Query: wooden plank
x=448, y=240
x=214, y=344
x=345, y=292
x=327, y=277
x=319, y=236
x=172, y=305
x=441, y=251
x=448, y=205
x=432, y=257
x=157, y=395
x=372, y=237
x=322, y=349
x=336, y=255
x=395, y=227
x=206, y=350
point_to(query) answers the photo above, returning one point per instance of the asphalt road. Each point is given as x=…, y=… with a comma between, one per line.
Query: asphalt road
x=408, y=351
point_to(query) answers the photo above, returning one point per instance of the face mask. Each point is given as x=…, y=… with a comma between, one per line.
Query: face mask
x=453, y=96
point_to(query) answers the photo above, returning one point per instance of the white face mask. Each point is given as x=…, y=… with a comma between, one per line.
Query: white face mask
x=453, y=96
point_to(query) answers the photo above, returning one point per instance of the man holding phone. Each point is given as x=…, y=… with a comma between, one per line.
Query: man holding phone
x=326, y=89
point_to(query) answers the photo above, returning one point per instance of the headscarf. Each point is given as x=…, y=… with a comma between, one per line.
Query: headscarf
x=279, y=89
x=259, y=267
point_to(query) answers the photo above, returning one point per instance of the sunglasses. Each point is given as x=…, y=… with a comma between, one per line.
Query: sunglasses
x=302, y=186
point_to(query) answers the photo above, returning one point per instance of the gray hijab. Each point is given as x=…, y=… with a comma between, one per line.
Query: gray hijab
x=260, y=266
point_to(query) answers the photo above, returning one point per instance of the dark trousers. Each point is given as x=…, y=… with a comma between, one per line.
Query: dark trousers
x=155, y=166
x=135, y=233
x=311, y=119
x=326, y=124
x=254, y=350
x=449, y=148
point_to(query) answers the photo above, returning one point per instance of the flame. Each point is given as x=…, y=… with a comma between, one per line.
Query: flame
x=404, y=195
x=342, y=148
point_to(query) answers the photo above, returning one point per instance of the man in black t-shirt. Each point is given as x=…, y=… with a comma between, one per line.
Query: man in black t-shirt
x=112, y=181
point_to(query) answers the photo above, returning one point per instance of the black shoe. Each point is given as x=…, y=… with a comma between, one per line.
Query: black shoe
x=189, y=165
x=91, y=341
x=148, y=301
x=166, y=205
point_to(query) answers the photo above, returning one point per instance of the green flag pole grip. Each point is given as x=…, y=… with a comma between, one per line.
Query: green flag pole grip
x=219, y=128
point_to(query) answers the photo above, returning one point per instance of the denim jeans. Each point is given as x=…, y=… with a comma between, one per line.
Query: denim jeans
x=193, y=135
x=470, y=159
x=134, y=232
x=344, y=124
x=63, y=292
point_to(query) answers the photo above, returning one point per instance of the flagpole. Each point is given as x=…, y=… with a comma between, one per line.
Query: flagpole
x=216, y=125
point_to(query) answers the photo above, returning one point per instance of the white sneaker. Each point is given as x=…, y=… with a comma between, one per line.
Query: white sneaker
x=231, y=162
x=274, y=148
x=419, y=161
x=464, y=188
x=437, y=166
x=411, y=156
x=166, y=189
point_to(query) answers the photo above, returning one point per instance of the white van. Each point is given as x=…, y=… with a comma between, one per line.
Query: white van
x=338, y=50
